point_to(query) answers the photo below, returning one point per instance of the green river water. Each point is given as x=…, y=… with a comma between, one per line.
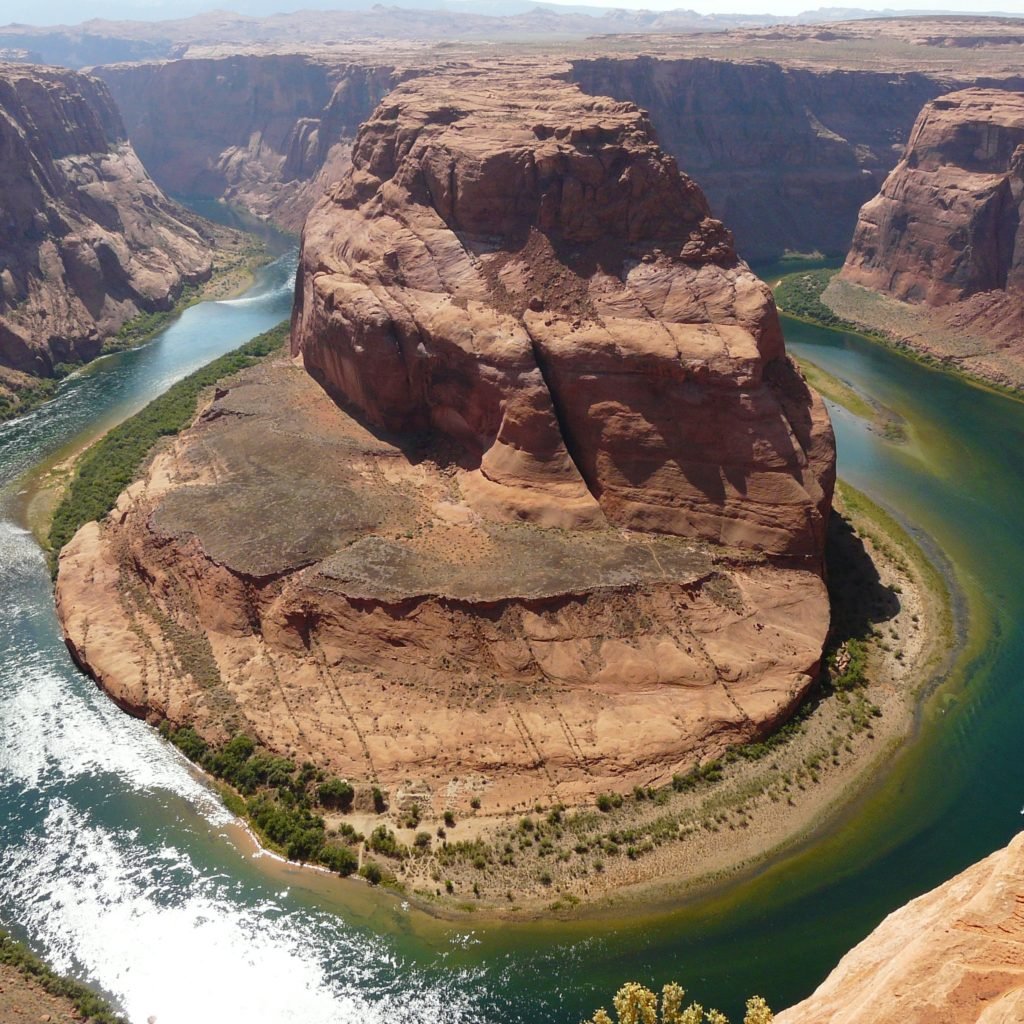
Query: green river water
x=119, y=865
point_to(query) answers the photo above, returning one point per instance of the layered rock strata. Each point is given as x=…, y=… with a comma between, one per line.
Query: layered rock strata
x=952, y=956
x=944, y=238
x=537, y=281
x=554, y=520
x=88, y=240
x=267, y=132
x=786, y=155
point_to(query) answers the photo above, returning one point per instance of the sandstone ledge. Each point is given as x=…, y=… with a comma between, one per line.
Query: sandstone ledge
x=554, y=663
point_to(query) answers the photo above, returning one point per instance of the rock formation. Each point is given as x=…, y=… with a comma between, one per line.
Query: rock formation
x=555, y=296
x=267, y=132
x=88, y=240
x=945, y=235
x=786, y=155
x=561, y=527
x=952, y=956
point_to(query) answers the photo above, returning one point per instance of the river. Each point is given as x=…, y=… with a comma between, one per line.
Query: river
x=119, y=865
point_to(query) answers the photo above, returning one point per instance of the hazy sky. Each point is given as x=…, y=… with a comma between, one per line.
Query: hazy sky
x=48, y=12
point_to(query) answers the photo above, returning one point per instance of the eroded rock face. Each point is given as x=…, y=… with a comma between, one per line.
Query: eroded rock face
x=267, y=132
x=284, y=571
x=534, y=278
x=947, y=222
x=88, y=240
x=944, y=238
x=554, y=520
x=786, y=155
x=953, y=956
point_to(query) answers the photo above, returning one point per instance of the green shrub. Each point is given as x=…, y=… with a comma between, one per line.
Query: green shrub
x=339, y=858
x=88, y=1004
x=382, y=840
x=336, y=794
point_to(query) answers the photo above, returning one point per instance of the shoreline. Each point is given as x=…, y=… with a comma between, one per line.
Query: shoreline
x=898, y=344
x=820, y=805
x=32, y=990
x=227, y=281
x=738, y=825
x=758, y=811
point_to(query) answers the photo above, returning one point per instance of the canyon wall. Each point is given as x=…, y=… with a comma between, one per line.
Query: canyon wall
x=88, y=239
x=952, y=956
x=942, y=244
x=551, y=515
x=267, y=132
x=785, y=155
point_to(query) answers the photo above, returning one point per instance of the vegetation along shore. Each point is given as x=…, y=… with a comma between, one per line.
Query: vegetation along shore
x=892, y=630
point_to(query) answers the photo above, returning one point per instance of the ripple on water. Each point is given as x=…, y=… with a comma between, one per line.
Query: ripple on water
x=170, y=940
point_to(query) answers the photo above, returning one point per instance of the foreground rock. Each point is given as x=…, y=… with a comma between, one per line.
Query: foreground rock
x=562, y=528
x=938, y=255
x=953, y=956
x=88, y=240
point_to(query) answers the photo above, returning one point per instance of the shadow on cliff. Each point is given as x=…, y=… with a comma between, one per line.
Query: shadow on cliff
x=860, y=600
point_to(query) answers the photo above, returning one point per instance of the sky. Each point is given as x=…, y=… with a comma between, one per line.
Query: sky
x=49, y=12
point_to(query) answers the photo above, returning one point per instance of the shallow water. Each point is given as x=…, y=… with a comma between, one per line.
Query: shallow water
x=118, y=864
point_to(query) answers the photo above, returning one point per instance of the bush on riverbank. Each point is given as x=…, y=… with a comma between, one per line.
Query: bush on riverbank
x=800, y=295
x=114, y=461
x=92, y=1007
x=277, y=798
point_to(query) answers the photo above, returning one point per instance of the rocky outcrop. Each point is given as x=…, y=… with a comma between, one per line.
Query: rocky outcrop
x=952, y=956
x=267, y=132
x=944, y=234
x=947, y=222
x=536, y=280
x=554, y=521
x=786, y=155
x=88, y=240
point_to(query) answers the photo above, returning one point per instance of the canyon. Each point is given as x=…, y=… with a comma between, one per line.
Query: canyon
x=565, y=582
x=937, y=256
x=89, y=240
x=787, y=131
x=535, y=506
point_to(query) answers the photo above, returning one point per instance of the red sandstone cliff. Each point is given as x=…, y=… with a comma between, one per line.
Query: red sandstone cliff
x=944, y=239
x=267, y=132
x=562, y=529
x=534, y=278
x=947, y=222
x=952, y=956
x=88, y=240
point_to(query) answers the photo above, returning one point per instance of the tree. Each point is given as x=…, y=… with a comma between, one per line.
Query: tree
x=635, y=1004
x=758, y=1012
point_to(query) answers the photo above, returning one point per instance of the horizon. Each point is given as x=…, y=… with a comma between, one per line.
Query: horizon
x=42, y=13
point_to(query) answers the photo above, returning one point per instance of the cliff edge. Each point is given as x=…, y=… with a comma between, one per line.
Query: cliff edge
x=952, y=956
x=938, y=255
x=544, y=517
x=88, y=240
